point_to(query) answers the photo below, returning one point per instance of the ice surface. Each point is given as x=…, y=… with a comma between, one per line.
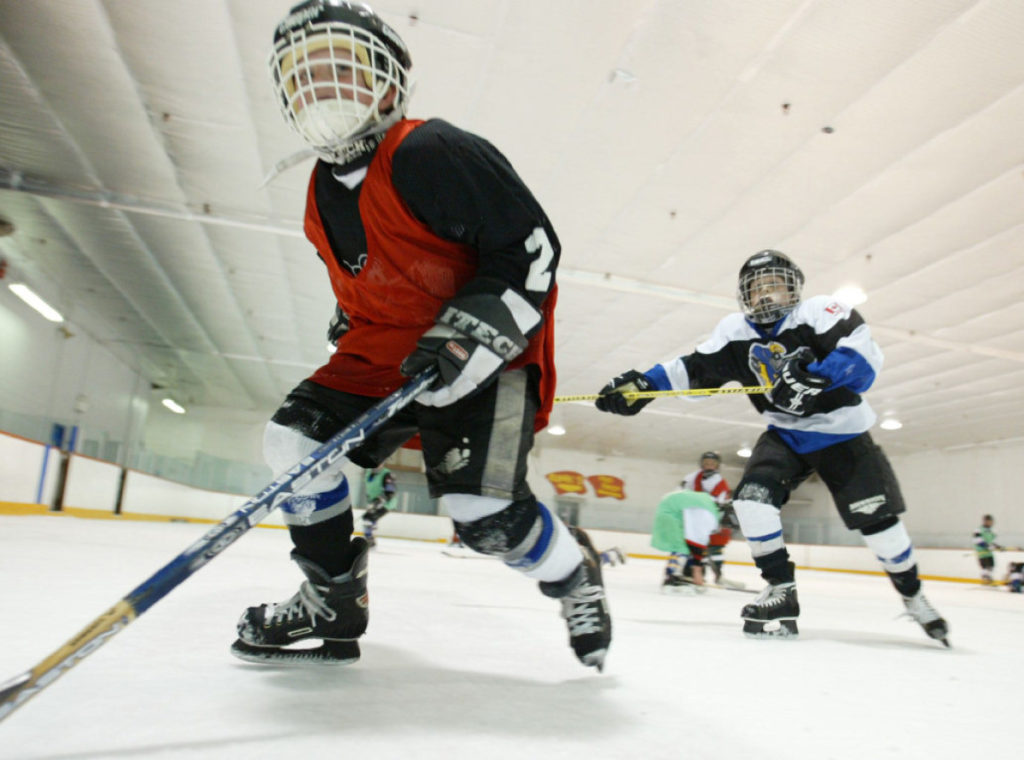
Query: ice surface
x=466, y=659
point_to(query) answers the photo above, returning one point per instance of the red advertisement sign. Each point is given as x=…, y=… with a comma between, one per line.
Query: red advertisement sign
x=607, y=486
x=567, y=481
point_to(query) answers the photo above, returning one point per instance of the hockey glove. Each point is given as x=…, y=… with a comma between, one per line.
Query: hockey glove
x=474, y=338
x=338, y=326
x=612, y=399
x=729, y=519
x=796, y=390
x=375, y=512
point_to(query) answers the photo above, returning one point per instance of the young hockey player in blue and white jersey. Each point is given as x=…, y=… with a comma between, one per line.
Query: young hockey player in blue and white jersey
x=816, y=357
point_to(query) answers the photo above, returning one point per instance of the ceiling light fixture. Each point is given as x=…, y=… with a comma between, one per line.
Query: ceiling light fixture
x=744, y=452
x=173, y=405
x=890, y=423
x=556, y=429
x=26, y=294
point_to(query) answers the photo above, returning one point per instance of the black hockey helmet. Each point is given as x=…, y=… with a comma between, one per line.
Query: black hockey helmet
x=339, y=72
x=769, y=287
x=713, y=456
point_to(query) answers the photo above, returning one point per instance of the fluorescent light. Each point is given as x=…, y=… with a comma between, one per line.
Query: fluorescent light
x=852, y=295
x=173, y=406
x=745, y=452
x=890, y=423
x=556, y=429
x=26, y=294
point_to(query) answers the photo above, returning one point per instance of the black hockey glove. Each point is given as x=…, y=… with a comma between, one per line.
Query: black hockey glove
x=474, y=338
x=796, y=390
x=612, y=399
x=375, y=512
x=729, y=518
x=337, y=327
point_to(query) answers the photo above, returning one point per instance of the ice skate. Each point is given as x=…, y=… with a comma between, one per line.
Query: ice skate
x=921, y=610
x=334, y=610
x=584, y=605
x=716, y=570
x=675, y=583
x=721, y=581
x=613, y=557
x=773, y=613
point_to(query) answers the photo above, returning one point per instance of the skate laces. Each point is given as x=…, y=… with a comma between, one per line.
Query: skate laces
x=580, y=610
x=920, y=609
x=773, y=595
x=308, y=602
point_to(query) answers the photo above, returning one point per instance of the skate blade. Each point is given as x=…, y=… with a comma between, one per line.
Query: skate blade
x=328, y=653
x=679, y=590
x=758, y=629
x=595, y=659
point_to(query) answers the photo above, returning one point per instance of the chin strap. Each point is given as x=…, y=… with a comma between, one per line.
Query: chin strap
x=349, y=152
x=285, y=164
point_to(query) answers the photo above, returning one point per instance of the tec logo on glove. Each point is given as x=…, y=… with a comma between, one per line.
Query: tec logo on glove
x=475, y=336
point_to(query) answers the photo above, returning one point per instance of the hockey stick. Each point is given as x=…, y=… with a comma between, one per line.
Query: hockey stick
x=745, y=390
x=741, y=589
x=20, y=689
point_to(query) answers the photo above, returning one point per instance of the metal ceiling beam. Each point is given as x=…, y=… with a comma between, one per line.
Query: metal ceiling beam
x=17, y=181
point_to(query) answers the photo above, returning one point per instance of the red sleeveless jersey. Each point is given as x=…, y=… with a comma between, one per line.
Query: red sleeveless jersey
x=409, y=273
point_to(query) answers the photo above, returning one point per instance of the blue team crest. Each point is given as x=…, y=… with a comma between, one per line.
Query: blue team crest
x=765, y=359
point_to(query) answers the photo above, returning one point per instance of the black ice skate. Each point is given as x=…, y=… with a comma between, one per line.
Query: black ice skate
x=584, y=605
x=716, y=569
x=773, y=613
x=921, y=610
x=334, y=610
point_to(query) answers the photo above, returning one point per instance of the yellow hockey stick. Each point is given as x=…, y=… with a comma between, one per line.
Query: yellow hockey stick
x=747, y=390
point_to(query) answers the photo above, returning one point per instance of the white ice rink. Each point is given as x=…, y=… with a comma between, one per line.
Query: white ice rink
x=465, y=659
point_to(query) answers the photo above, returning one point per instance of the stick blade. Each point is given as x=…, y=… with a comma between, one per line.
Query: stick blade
x=10, y=692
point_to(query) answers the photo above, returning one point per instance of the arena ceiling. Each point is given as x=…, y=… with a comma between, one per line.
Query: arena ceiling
x=877, y=142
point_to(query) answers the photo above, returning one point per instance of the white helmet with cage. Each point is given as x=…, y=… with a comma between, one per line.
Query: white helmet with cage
x=339, y=74
x=769, y=287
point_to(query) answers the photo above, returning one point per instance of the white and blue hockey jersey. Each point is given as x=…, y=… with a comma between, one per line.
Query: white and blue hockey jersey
x=739, y=350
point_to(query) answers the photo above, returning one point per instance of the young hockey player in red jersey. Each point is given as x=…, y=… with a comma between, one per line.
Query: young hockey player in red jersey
x=439, y=256
x=818, y=357
x=709, y=480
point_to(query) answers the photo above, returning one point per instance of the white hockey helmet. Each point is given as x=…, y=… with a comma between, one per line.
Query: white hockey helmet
x=339, y=74
x=769, y=287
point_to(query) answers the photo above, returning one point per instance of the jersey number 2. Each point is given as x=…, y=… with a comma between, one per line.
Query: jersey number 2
x=538, y=279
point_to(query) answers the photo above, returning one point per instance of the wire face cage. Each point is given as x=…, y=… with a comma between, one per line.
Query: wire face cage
x=336, y=82
x=768, y=293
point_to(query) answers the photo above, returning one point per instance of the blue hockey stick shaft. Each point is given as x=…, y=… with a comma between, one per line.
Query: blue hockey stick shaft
x=20, y=689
